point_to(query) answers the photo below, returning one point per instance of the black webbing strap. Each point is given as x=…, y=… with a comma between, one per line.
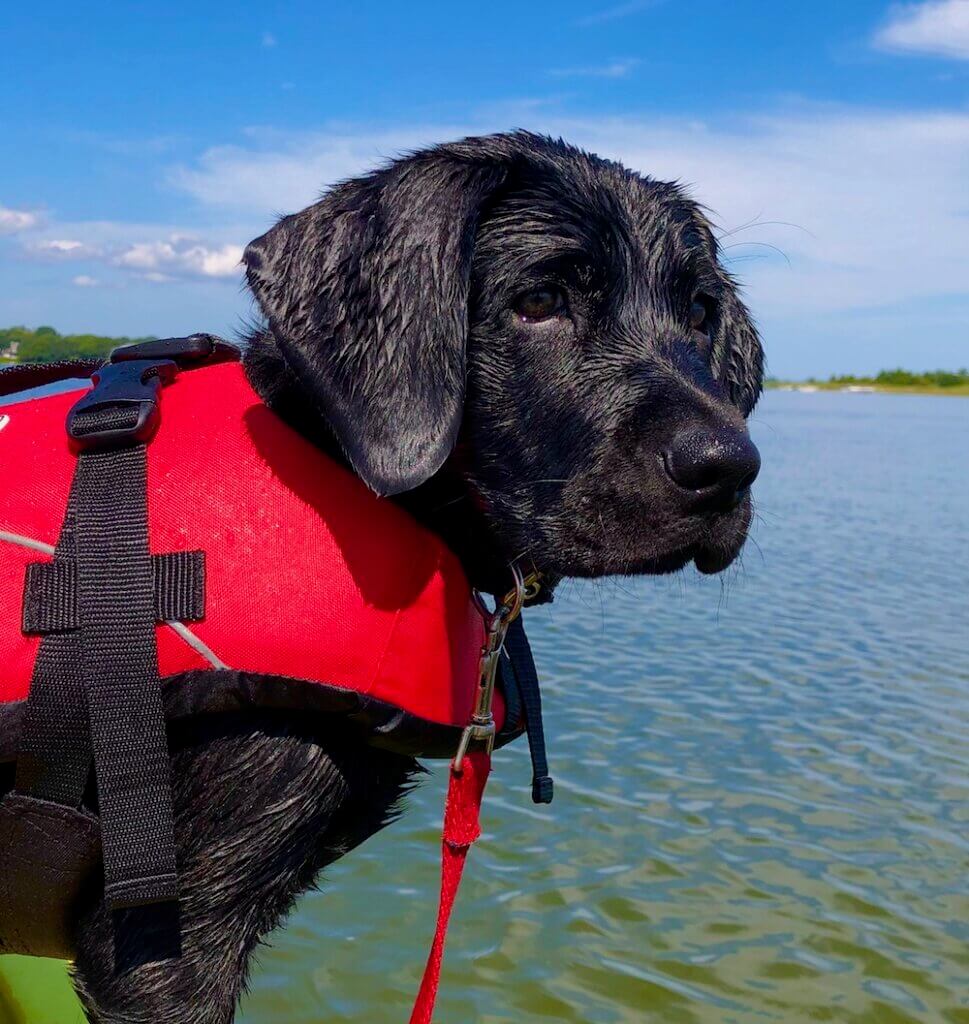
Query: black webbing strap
x=179, y=586
x=50, y=591
x=520, y=653
x=116, y=607
x=194, y=349
x=54, y=758
x=95, y=692
x=50, y=844
x=24, y=376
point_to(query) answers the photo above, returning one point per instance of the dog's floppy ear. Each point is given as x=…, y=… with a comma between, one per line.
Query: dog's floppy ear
x=366, y=293
x=742, y=361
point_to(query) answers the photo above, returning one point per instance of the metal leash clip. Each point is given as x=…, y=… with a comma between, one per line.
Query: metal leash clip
x=482, y=728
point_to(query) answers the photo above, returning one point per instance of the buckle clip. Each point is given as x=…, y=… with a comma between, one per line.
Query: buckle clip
x=122, y=407
x=196, y=348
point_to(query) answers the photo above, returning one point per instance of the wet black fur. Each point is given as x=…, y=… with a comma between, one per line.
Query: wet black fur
x=391, y=340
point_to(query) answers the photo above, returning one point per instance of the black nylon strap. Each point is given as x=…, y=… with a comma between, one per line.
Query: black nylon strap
x=50, y=592
x=115, y=594
x=520, y=653
x=54, y=758
x=50, y=597
x=24, y=376
x=110, y=418
x=95, y=689
x=179, y=586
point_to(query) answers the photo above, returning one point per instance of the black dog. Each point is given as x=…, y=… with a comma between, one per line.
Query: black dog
x=539, y=353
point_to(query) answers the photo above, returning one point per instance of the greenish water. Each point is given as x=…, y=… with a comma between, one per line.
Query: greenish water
x=762, y=783
x=761, y=809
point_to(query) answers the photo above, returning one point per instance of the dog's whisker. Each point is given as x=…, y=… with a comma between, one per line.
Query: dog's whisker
x=765, y=245
x=758, y=223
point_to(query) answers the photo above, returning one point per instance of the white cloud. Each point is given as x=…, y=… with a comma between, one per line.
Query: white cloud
x=61, y=245
x=83, y=281
x=268, y=40
x=614, y=69
x=180, y=256
x=876, y=220
x=151, y=251
x=939, y=27
x=12, y=221
x=61, y=249
x=874, y=204
x=284, y=172
x=870, y=207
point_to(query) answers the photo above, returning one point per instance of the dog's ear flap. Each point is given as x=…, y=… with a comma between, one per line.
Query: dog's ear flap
x=366, y=293
x=741, y=355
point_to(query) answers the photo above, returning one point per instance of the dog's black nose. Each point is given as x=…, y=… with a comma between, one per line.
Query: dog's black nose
x=716, y=466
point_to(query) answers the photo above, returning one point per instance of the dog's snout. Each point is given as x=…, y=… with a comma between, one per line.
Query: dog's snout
x=717, y=467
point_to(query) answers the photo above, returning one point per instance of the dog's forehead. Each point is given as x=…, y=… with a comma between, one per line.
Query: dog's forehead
x=586, y=203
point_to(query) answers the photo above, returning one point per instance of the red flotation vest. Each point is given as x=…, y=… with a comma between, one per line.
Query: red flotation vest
x=279, y=581
x=309, y=577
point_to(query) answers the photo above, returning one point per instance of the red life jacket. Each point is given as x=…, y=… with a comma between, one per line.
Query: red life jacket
x=338, y=596
x=279, y=581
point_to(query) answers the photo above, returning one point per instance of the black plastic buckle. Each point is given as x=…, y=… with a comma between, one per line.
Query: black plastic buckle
x=195, y=348
x=122, y=407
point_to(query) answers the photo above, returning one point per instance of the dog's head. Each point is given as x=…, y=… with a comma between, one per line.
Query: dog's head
x=538, y=334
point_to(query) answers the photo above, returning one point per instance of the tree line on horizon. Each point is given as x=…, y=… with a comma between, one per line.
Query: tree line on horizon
x=899, y=378
x=46, y=345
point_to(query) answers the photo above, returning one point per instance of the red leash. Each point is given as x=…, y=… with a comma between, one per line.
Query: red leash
x=461, y=829
x=469, y=775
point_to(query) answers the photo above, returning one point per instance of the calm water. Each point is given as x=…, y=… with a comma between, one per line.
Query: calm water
x=762, y=783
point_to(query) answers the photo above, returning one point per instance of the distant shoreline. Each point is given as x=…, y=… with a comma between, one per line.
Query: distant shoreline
x=858, y=386
x=808, y=387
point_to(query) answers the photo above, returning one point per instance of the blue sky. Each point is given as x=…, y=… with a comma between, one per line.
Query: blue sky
x=144, y=145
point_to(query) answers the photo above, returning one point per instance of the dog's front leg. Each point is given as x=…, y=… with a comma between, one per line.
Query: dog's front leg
x=258, y=812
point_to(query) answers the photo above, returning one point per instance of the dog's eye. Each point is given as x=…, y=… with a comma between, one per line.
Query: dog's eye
x=540, y=304
x=698, y=316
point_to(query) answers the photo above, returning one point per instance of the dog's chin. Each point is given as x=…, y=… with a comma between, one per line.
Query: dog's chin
x=708, y=560
x=712, y=549
x=570, y=545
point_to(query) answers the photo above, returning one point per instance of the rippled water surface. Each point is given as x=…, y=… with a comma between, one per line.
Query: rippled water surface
x=762, y=782
x=761, y=808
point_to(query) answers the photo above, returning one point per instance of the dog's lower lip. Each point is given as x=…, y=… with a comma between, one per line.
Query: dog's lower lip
x=710, y=562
